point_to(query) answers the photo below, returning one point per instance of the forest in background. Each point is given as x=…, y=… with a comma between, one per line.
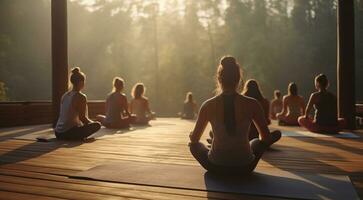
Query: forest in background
x=173, y=46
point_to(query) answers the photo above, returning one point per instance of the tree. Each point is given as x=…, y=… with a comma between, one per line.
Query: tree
x=3, y=90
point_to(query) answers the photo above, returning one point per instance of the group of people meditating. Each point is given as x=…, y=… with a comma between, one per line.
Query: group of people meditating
x=73, y=122
x=291, y=110
x=239, y=121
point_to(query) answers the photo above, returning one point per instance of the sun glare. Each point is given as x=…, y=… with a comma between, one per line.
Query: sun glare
x=162, y=3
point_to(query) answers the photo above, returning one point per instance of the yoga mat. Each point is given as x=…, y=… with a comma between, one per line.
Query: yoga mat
x=275, y=183
x=47, y=135
x=303, y=133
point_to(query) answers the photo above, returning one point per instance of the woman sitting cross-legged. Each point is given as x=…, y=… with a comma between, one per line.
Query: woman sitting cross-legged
x=73, y=122
x=140, y=105
x=231, y=115
x=117, y=114
x=252, y=89
x=325, y=104
x=276, y=104
x=293, y=107
x=189, y=107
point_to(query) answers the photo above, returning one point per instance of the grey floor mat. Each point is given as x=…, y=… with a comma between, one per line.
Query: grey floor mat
x=275, y=183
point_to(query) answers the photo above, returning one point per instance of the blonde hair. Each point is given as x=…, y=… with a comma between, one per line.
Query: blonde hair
x=229, y=74
x=117, y=83
x=138, y=90
x=188, y=96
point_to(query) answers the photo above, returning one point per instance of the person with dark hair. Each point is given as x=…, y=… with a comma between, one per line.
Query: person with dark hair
x=293, y=107
x=139, y=105
x=326, y=115
x=230, y=115
x=73, y=122
x=117, y=114
x=189, y=107
x=252, y=89
x=276, y=104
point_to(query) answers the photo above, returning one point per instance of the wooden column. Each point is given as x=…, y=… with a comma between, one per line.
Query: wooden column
x=59, y=54
x=346, y=61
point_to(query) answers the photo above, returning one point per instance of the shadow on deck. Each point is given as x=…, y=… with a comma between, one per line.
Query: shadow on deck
x=29, y=168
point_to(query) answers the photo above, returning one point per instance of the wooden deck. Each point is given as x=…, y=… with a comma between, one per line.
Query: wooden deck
x=36, y=170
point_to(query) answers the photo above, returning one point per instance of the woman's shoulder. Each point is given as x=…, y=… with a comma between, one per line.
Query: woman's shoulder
x=80, y=95
x=144, y=99
x=210, y=101
x=276, y=101
x=286, y=97
x=249, y=104
x=140, y=100
x=246, y=99
x=122, y=95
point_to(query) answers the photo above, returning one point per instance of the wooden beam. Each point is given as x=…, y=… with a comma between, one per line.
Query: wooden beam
x=59, y=54
x=346, y=62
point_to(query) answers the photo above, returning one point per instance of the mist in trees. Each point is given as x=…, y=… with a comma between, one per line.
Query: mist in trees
x=172, y=46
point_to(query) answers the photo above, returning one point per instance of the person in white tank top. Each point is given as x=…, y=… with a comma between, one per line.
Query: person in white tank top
x=139, y=105
x=231, y=115
x=68, y=116
x=117, y=114
x=73, y=122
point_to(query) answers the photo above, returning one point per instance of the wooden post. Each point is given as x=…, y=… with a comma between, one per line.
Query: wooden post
x=346, y=62
x=59, y=54
x=156, y=56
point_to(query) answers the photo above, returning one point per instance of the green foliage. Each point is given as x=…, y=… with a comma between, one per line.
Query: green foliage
x=174, y=47
x=3, y=90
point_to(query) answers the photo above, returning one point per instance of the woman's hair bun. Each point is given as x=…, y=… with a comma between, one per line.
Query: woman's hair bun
x=76, y=70
x=228, y=61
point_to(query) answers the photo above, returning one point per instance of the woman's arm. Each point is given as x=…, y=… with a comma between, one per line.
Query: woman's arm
x=82, y=108
x=130, y=106
x=310, y=105
x=147, y=106
x=266, y=109
x=272, y=110
x=124, y=106
x=260, y=122
x=284, y=106
x=302, y=104
x=200, y=125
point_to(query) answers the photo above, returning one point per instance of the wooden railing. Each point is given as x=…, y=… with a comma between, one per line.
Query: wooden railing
x=19, y=113
x=359, y=109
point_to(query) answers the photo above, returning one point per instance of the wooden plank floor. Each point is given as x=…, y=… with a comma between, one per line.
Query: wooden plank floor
x=36, y=170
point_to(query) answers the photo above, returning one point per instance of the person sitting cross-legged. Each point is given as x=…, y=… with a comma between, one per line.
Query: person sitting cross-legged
x=189, y=107
x=231, y=115
x=325, y=104
x=139, y=105
x=252, y=89
x=117, y=114
x=276, y=105
x=293, y=107
x=73, y=122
